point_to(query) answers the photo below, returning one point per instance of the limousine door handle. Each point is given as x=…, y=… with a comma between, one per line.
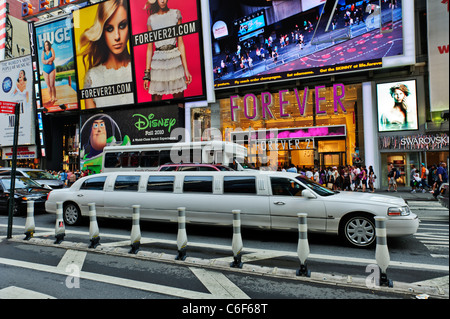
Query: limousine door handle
x=279, y=203
x=80, y=195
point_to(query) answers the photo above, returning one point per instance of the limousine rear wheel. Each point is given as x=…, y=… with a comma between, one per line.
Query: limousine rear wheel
x=71, y=214
x=359, y=230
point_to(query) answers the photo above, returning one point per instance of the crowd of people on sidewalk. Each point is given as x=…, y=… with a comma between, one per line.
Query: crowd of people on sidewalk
x=70, y=177
x=342, y=178
x=422, y=179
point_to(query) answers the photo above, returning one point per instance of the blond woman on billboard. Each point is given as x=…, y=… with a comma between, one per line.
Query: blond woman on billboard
x=106, y=55
x=166, y=69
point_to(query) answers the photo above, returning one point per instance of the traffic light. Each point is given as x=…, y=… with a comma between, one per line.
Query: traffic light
x=27, y=9
x=43, y=4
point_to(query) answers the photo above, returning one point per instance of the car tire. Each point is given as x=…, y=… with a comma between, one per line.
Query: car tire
x=71, y=214
x=358, y=230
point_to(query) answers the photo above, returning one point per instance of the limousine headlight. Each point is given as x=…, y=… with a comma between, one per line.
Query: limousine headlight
x=399, y=211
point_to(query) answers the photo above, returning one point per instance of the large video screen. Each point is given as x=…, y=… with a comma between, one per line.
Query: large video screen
x=397, y=106
x=309, y=38
x=104, y=68
x=167, y=48
x=56, y=66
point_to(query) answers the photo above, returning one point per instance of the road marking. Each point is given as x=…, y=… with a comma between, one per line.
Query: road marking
x=332, y=258
x=218, y=284
x=13, y=292
x=165, y=290
x=72, y=257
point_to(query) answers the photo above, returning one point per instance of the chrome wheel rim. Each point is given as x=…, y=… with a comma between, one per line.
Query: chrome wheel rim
x=71, y=214
x=360, y=231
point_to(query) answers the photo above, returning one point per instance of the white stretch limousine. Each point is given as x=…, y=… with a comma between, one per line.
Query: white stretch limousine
x=266, y=199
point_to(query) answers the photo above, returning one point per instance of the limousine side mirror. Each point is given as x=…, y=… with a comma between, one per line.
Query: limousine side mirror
x=308, y=194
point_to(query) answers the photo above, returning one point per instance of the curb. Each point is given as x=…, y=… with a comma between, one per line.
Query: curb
x=274, y=272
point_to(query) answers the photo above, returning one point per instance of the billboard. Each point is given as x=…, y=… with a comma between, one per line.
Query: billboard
x=309, y=38
x=397, y=106
x=17, y=86
x=103, y=58
x=126, y=127
x=56, y=66
x=167, y=47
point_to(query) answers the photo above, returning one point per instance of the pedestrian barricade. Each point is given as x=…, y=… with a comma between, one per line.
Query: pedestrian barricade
x=135, y=230
x=60, y=229
x=94, y=232
x=181, y=236
x=381, y=251
x=29, y=223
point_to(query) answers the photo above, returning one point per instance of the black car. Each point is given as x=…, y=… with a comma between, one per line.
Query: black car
x=25, y=190
x=38, y=175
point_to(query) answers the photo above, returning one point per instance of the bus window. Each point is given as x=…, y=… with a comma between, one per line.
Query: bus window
x=149, y=159
x=112, y=159
x=164, y=157
x=130, y=159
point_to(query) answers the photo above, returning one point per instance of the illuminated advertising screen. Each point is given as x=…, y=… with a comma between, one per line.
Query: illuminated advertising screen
x=104, y=68
x=309, y=38
x=397, y=106
x=167, y=46
x=56, y=66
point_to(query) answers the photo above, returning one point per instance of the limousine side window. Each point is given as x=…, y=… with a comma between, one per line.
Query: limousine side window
x=94, y=183
x=126, y=183
x=239, y=185
x=198, y=184
x=285, y=187
x=160, y=183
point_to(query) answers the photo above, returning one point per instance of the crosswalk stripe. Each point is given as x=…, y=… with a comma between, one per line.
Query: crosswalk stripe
x=13, y=292
x=218, y=284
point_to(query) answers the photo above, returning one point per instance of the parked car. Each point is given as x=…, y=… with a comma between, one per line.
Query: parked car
x=268, y=200
x=38, y=175
x=443, y=195
x=25, y=190
x=193, y=167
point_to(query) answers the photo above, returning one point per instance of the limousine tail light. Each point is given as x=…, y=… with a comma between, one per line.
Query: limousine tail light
x=48, y=195
x=399, y=211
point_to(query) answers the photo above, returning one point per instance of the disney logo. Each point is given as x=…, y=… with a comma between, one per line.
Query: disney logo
x=144, y=122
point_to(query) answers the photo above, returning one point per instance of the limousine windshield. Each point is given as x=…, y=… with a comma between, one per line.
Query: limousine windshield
x=319, y=189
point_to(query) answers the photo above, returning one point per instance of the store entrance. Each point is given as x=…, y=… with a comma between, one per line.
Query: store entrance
x=332, y=159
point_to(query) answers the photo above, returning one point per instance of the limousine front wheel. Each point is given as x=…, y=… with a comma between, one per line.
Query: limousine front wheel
x=359, y=230
x=71, y=214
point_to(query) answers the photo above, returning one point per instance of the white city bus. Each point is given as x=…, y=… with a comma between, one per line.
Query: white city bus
x=150, y=157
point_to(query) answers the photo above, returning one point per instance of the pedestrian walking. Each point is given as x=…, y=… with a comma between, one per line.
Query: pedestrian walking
x=391, y=177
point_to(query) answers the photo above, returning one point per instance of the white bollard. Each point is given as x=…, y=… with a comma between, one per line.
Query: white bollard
x=181, y=236
x=135, y=237
x=93, y=226
x=237, y=245
x=29, y=223
x=60, y=229
x=381, y=250
x=303, y=245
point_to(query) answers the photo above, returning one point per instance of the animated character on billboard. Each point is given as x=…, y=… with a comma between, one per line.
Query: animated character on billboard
x=166, y=67
x=94, y=137
x=397, y=115
x=48, y=57
x=106, y=52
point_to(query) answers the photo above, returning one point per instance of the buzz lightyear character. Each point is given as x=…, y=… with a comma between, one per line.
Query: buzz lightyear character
x=92, y=152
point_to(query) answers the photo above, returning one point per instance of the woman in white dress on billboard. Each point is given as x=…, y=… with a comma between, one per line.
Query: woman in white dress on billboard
x=166, y=69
